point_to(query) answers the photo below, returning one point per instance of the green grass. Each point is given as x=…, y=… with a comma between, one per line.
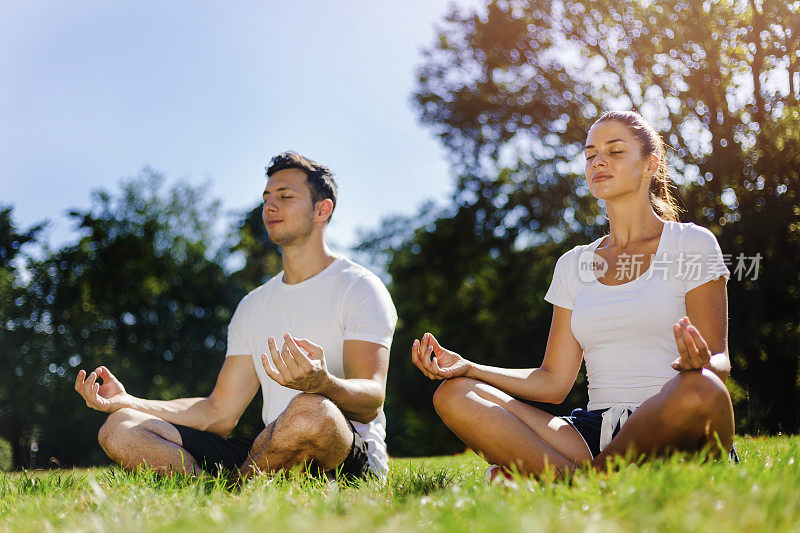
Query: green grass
x=433, y=494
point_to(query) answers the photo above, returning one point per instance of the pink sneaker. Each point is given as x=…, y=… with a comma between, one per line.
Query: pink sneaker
x=499, y=475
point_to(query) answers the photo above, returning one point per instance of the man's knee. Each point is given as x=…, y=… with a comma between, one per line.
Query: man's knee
x=310, y=418
x=450, y=394
x=114, y=432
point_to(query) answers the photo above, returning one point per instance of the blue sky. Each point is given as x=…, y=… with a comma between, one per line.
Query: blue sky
x=93, y=91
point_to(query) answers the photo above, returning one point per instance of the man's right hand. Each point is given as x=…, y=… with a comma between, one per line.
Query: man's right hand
x=107, y=397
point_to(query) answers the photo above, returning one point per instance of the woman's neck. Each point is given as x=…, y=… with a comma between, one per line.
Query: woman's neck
x=631, y=222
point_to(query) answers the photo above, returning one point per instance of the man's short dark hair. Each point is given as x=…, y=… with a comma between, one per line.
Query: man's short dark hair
x=319, y=177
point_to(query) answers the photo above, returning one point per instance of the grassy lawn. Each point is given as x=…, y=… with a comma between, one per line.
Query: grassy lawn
x=432, y=494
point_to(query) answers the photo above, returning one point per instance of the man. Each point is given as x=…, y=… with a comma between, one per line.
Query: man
x=316, y=338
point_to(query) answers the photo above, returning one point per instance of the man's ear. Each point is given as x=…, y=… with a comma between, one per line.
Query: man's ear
x=324, y=209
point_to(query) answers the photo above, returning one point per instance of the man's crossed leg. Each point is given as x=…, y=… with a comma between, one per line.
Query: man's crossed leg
x=312, y=431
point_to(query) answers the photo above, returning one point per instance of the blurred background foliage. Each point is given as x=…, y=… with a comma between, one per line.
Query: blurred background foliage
x=142, y=291
x=511, y=91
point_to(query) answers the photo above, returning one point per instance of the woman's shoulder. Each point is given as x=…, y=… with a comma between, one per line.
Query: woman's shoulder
x=688, y=236
x=575, y=252
x=570, y=261
x=571, y=255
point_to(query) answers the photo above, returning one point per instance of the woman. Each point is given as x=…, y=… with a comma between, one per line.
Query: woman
x=645, y=306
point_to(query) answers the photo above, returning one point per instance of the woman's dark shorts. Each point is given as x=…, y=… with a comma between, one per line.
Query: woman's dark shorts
x=215, y=454
x=588, y=424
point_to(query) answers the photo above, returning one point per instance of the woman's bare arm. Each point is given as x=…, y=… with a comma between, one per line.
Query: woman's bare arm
x=550, y=382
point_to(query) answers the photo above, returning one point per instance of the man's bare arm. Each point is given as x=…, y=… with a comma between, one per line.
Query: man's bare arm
x=219, y=412
x=359, y=395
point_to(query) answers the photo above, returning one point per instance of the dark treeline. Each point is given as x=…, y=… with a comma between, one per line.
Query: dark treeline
x=511, y=91
x=141, y=291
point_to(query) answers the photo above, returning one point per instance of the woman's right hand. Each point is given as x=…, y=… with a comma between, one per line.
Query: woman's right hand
x=437, y=362
x=107, y=397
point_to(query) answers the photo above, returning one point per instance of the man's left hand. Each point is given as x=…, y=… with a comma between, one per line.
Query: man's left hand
x=304, y=371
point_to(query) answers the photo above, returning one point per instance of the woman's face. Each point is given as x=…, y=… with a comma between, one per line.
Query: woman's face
x=614, y=162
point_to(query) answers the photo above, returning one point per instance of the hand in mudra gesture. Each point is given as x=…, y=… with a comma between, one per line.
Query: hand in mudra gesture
x=107, y=397
x=437, y=362
x=692, y=347
x=304, y=370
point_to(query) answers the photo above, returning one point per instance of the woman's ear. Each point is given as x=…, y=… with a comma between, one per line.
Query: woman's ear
x=653, y=162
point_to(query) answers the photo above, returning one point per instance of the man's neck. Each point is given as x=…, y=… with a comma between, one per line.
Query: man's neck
x=306, y=260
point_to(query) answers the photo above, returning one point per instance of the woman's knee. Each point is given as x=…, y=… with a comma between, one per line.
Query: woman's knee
x=451, y=393
x=698, y=393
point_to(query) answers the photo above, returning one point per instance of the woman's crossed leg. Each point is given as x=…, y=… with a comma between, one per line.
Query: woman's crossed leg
x=508, y=432
x=692, y=411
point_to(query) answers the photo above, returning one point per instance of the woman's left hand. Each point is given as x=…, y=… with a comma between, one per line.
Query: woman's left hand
x=693, y=350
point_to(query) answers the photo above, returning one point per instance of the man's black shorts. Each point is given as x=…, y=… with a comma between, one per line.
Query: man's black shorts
x=215, y=454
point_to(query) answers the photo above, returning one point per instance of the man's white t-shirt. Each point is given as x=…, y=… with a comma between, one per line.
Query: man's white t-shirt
x=626, y=330
x=343, y=302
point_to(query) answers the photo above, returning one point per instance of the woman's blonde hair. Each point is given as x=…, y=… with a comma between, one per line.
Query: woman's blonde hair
x=661, y=186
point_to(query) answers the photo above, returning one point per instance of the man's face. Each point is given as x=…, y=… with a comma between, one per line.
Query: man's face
x=288, y=212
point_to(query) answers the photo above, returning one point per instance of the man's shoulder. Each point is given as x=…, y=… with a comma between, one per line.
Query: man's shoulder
x=358, y=282
x=352, y=270
x=262, y=291
x=349, y=267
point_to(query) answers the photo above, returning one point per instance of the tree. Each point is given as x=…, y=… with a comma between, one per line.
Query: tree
x=14, y=329
x=140, y=292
